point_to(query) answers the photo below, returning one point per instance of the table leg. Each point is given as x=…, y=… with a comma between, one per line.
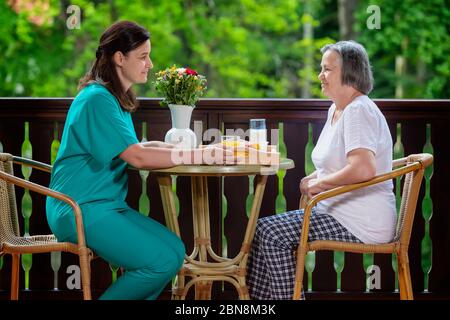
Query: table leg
x=202, y=238
x=200, y=215
x=168, y=202
x=249, y=233
x=170, y=215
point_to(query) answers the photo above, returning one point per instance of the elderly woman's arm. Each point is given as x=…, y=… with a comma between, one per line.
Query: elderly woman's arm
x=361, y=167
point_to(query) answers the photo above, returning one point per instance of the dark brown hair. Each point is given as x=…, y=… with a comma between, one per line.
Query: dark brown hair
x=122, y=36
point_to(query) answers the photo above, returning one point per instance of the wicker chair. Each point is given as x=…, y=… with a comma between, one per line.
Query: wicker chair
x=413, y=167
x=10, y=240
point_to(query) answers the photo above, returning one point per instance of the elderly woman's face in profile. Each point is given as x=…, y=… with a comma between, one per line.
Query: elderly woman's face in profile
x=330, y=74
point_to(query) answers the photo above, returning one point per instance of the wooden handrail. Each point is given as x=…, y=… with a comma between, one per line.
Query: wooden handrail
x=32, y=163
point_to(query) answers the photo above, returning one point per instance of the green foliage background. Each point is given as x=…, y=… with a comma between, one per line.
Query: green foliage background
x=245, y=48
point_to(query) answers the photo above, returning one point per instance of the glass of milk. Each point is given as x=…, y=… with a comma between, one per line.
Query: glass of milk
x=258, y=133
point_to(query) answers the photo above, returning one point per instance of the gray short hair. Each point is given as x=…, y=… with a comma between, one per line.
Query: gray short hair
x=356, y=70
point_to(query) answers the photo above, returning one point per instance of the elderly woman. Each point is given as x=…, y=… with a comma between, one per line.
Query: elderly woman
x=354, y=146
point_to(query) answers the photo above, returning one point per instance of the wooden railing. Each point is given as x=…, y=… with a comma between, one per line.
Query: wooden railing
x=33, y=127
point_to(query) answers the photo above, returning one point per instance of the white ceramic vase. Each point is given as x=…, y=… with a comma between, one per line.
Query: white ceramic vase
x=181, y=134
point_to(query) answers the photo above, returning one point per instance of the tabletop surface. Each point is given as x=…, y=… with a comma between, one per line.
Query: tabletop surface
x=222, y=170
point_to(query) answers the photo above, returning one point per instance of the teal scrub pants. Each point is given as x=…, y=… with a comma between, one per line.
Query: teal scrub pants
x=150, y=253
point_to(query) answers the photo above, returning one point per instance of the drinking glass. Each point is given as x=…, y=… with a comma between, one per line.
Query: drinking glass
x=258, y=133
x=237, y=143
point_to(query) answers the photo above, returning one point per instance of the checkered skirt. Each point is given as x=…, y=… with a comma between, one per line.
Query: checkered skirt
x=271, y=264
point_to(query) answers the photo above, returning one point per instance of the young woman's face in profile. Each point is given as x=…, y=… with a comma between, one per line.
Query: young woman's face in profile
x=330, y=74
x=137, y=63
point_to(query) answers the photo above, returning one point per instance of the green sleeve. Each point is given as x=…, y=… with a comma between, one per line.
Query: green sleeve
x=107, y=129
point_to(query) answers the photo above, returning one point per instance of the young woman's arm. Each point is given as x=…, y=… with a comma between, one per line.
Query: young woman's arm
x=142, y=157
x=158, y=144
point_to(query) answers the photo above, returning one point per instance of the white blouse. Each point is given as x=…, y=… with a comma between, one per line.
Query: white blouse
x=368, y=213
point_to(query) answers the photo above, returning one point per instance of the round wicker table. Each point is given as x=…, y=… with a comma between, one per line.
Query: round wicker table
x=203, y=265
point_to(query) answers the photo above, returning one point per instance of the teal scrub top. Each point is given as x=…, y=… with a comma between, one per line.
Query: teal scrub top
x=87, y=167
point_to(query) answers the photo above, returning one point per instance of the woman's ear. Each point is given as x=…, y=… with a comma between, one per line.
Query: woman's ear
x=118, y=58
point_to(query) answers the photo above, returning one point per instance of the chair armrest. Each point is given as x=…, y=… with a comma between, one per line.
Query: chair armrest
x=48, y=192
x=32, y=163
x=350, y=187
x=396, y=163
x=303, y=201
x=399, y=162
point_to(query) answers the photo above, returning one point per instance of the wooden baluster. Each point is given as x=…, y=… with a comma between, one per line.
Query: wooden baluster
x=427, y=212
x=55, y=257
x=27, y=210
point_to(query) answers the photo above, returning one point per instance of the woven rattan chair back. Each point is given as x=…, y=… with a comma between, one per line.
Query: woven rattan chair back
x=409, y=196
x=9, y=227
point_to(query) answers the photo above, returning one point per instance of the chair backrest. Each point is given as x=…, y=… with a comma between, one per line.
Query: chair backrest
x=410, y=194
x=9, y=222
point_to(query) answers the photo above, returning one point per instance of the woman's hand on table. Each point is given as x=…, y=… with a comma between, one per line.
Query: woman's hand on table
x=218, y=154
x=247, y=153
x=158, y=144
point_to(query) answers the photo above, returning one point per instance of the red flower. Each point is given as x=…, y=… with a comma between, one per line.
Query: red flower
x=191, y=72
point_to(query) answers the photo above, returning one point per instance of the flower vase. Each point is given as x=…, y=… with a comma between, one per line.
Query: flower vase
x=180, y=134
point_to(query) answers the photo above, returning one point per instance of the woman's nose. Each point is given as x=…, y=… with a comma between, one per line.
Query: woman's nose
x=320, y=75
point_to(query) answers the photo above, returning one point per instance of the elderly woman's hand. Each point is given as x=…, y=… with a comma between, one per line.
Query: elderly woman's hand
x=304, y=185
x=313, y=187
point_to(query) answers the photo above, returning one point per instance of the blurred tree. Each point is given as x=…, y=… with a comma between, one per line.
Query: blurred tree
x=246, y=48
x=410, y=53
x=346, y=8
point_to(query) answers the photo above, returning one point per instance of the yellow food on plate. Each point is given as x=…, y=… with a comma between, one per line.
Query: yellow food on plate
x=231, y=143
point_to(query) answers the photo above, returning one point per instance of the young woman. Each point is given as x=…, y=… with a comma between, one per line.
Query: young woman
x=97, y=145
